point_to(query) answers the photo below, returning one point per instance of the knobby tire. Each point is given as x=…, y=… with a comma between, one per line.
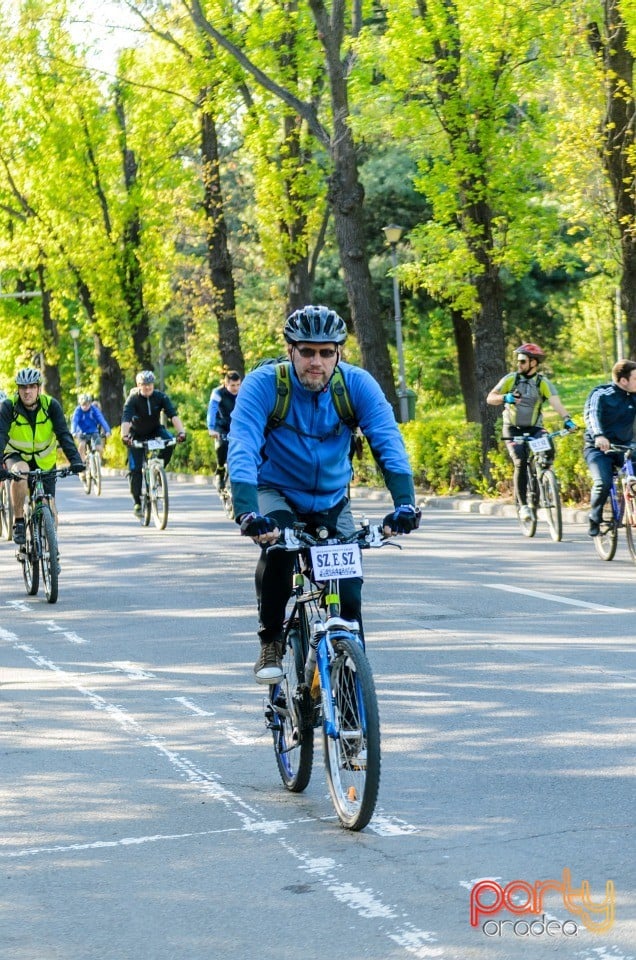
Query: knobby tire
x=6, y=511
x=352, y=761
x=606, y=542
x=30, y=562
x=552, y=504
x=159, y=496
x=293, y=728
x=49, y=561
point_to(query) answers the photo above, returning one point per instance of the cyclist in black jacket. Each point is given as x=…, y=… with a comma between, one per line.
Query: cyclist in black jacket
x=610, y=411
x=141, y=421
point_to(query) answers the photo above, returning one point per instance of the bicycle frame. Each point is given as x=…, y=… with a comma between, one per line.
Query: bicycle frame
x=154, y=494
x=543, y=489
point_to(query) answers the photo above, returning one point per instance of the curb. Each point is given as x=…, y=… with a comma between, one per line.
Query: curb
x=463, y=503
x=493, y=508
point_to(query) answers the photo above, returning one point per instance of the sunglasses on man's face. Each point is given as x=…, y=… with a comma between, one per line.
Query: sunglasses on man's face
x=326, y=353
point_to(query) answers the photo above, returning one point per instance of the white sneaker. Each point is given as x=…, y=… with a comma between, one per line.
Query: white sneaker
x=525, y=512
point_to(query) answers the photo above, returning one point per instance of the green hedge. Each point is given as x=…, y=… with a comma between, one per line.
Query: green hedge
x=444, y=450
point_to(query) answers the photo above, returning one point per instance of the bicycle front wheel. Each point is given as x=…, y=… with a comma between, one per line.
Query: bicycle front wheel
x=292, y=725
x=28, y=555
x=552, y=504
x=96, y=473
x=629, y=520
x=49, y=560
x=159, y=496
x=352, y=759
x=6, y=511
x=86, y=476
x=606, y=542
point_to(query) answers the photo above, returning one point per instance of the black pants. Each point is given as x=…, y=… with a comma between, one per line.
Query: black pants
x=136, y=462
x=274, y=575
x=519, y=456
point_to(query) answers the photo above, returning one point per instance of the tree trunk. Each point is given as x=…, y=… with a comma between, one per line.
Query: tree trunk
x=466, y=366
x=111, y=378
x=219, y=257
x=129, y=267
x=51, y=371
x=618, y=155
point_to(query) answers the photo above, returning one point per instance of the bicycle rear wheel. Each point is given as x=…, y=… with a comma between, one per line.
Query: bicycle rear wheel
x=292, y=726
x=352, y=761
x=96, y=472
x=552, y=504
x=28, y=556
x=159, y=496
x=607, y=540
x=49, y=560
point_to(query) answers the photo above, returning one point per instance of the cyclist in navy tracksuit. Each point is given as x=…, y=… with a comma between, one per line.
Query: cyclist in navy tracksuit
x=301, y=469
x=609, y=413
x=88, y=420
x=220, y=407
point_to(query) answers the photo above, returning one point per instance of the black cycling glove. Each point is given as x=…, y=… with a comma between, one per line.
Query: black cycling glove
x=78, y=467
x=403, y=519
x=253, y=525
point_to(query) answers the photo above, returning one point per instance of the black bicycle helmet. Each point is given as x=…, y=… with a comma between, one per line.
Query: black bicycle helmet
x=28, y=376
x=315, y=325
x=145, y=376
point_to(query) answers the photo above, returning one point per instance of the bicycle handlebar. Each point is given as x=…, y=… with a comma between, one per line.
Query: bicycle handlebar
x=524, y=437
x=158, y=443
x=295, y=538
x=15, y=474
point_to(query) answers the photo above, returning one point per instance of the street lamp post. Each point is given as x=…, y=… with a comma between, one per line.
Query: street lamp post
x=393, y=233
x=74, y=332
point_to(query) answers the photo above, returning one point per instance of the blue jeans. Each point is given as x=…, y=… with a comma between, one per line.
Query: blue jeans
x=601, y=466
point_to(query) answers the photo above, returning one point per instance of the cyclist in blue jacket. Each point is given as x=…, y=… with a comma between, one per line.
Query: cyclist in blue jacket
x=300, y=470
x=610, y=412
x=220, y=407
x=88, y=420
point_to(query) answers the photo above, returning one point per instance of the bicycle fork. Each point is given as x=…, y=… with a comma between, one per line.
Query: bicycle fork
x=335, y=629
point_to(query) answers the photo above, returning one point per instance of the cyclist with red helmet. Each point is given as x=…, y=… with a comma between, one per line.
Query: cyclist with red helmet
x=523, y=393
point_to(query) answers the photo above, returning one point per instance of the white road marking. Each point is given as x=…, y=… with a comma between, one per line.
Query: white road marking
x=334, y=877
x=132, y=671
x=189, y=705
x=556, y=598
x=69, y=635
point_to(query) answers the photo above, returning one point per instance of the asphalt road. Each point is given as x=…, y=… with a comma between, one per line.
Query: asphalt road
x=142, y=814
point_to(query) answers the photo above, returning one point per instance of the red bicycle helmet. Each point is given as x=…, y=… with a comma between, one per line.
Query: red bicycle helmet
x=531, y=350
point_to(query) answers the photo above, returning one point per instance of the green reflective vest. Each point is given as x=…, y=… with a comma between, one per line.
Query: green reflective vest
x=37, y=443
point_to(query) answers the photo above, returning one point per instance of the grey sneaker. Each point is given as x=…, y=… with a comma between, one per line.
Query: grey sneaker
x=525, y=513
x=137, y=509
x=268, y=668
x=19, y=532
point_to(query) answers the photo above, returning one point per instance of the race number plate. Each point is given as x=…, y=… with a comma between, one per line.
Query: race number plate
x=155, y=444
x=336, y=561
x=539, y=444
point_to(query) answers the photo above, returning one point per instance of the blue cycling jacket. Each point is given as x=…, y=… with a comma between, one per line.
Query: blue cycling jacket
x=306, y=458
x=88, y=421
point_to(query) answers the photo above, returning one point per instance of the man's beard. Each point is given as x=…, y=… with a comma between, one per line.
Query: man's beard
x=312, y=383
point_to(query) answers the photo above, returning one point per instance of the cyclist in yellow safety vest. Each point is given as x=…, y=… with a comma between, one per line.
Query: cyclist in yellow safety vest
x=31, y=426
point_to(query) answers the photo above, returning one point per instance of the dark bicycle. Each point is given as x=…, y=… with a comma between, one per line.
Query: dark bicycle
x=6, y=510
x=40, y=552
x=620, y=507
x=154, y=494
x=543, y=486
x=327, y=680
x=92, y=476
